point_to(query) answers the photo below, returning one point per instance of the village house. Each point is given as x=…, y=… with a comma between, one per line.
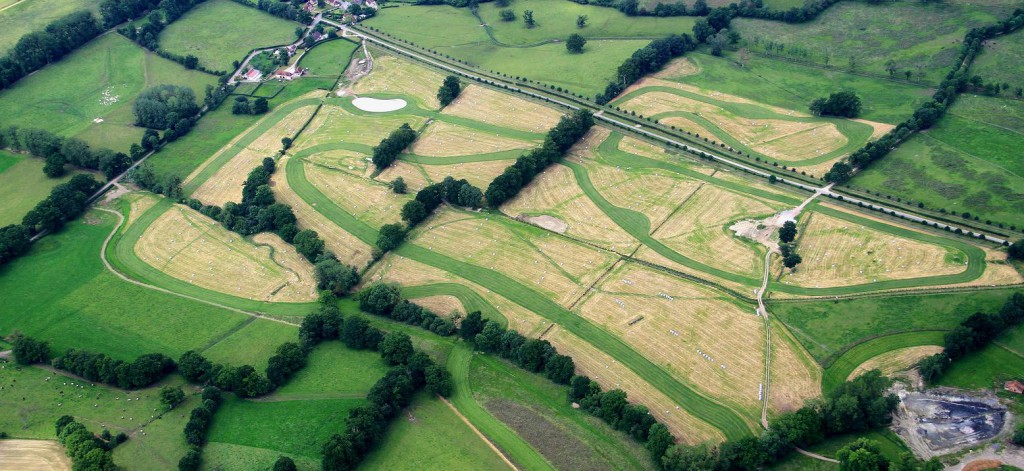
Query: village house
x=253, y=75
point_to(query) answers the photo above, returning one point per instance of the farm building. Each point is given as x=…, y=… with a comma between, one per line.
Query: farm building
x=253, y=75
x=1014, y=387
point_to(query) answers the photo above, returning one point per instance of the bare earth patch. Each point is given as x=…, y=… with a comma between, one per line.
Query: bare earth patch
x=35, y=455
x=550, y=223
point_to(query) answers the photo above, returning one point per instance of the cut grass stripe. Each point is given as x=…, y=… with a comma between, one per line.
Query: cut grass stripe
x=841, y=369
x=470, y=299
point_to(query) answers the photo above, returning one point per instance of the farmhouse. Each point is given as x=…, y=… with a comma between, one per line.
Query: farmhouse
x=253, y=75
x=1014, y=386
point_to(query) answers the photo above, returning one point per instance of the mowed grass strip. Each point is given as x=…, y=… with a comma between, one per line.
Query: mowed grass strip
x=846, y=364
x=220, y=32
x=100, y=80
x=62, y=293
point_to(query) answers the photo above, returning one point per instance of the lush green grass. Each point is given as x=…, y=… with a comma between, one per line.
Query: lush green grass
x=22, y=185
x=215, y=130
x=220, y=32
x=329, y=58
x=60, y=292
x=964, y=164
x=890, y=445
x=253, y=344
x=917, y=37
x=230, y=457
x=827, y=327
x=67, y=96
x=567, y=437
x=848, y=362
x=1013, y=339
x=429, y=436
x=163, y=443
x=556, y=20
x=983, y=369
x=289, y=427
x=798, y=462
x=30, y=403
x=794, y=86
x=455, y=32
x=1002, y=61
x=332, y=371
x=20, y=18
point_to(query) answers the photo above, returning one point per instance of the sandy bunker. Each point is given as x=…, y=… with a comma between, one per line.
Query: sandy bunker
x=377, y=105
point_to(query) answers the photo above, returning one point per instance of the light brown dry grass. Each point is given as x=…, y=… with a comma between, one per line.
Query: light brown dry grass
x=226, y=184
x=796, y=377
x=556, y=193
x=611, y=375
x=413, y=175
x=680, y=318
x=348, y=161
x=441, y=305
x=688, y=125
x=369, y=201
x=655, y=193
x=894, y=361
x=680, y=67
x=837, y=253
x=191, y=247
x=35, y=455
x=479, y=174
x=554, y=266
x=345, y=246
x=646, y=254
x=699, y=229
x=139, y=202
x=443, y=139
x=393, y=75
x=397, y=269
x=333, y=124
x=502, y=109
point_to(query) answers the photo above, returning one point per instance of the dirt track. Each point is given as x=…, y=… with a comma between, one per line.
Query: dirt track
x=41, y=455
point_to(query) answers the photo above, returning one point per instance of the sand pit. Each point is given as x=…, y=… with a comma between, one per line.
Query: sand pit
x=32, y=454
x=375, y=105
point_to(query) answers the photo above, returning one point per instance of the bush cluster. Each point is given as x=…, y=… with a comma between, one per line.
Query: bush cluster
x=385, y=153
x=558, y=140
x=143, y=371
x=386, y=300
x=28, y=350
x=87, y=452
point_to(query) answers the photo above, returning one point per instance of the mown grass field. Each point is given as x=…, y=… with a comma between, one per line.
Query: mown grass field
x=253, y=344
x=333, y=370
x=922, y=38
x=329, y=59
x=428, y=435
x=22, y=185
x=827, y=327
x=32, y=403
x=61, y=292
x=220, y=32
x=287, y=427
x=987, y=368
x=794, y=86
x=18, y=18
x=964, y=164
x=100, y=80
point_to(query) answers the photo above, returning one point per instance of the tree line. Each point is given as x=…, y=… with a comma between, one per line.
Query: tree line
x=143, y=371
x=59, y=151
x=744, y=9
x=386, y=300
x=646, y=60
x=198, y=424
x=387, y=152
x=450, y=190
x=559, y=139
x=86, y=450
x=260, y=212
x=39, y=48
x=65, y=203
x=973, y=334
x=926, y=115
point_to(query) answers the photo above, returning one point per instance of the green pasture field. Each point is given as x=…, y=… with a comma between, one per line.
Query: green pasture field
x=455, y=32
x=334, y=371
x=1002, y=61
x=966, y=163
x=61, y=292
x=230, y=457
x=252, y=344
x=18, y=18
x=847, y=363
x=30, y=403
x=329, y=58
x=22, y=186
x=536, y=409
x=1013, y=339
x=798, y=462
x=99, y=80
x=827, y=327
x=983, y=369
x=163, y=443
x=556, y=20
x=294, y=428
x=220, y=32
x=794, y=86
x=918, y=37
x=428, y=435
x=890, y=445
x=215, y=130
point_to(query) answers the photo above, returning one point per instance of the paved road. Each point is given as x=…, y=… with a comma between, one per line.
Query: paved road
x=639, y=129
